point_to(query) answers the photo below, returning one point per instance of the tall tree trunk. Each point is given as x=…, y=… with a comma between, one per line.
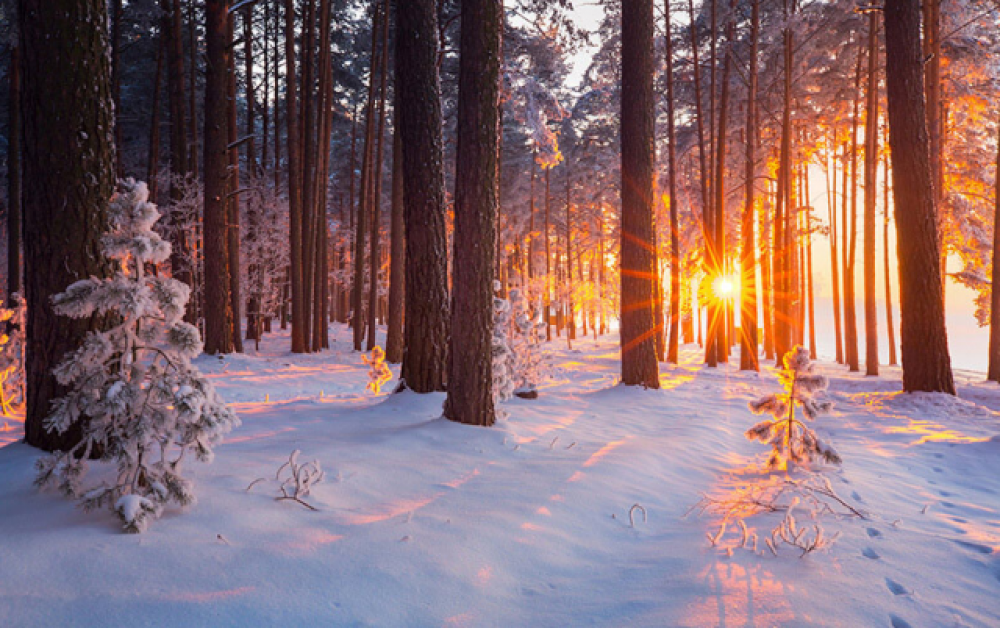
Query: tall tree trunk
x=638, y=257
x=217, y=303
x=358, y=318
x=570, y=307
x=116, y=80
x=764, y=225
x=673, y=341
x=548, y=260
x=783, y=268
x=321, y=275
x=885, y=257
x=233, y=199
x=470, y=380
x=926, y=363
x=831, y=206
x=871, y=197
x=68, y=177
x=748, y=266
x=192, y=75
x=15, y=203
x=153, y=156
x=300, y=332
x=994, y=364
x=308, y=137
x=397, y=256
x=375, y=265
x=708, y=216
x=181, y=246
x=723, y=307
x=426, y=319
x=851, y=230
x=935, y=120
x=253, y=317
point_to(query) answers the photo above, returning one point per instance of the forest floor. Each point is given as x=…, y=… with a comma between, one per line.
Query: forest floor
x=422, y=522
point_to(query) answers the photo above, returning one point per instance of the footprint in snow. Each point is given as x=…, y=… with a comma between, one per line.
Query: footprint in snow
x=896, y=588
x=936, y=469
x=873, y=533
x=856, y=497
x=870, y=553
x=944, y=494
x=898, y=622
x=975, y=547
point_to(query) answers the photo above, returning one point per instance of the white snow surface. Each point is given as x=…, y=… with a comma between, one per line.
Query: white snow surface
x=423, y=522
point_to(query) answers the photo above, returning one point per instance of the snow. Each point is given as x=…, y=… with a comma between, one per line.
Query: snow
x=423, y=522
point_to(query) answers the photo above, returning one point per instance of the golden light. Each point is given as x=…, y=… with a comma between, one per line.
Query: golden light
x=723, y=287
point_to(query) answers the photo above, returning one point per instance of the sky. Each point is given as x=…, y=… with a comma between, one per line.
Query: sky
x=967, y=341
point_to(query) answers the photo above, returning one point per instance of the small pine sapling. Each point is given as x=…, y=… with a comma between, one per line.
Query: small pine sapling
x=298, y=481
x=501, y=353
x=378, y=370
x=791, y=440
x=527, y=359
x=133, y=392
x=12, y=356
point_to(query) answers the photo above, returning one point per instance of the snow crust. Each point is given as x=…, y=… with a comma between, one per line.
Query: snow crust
x=423, y=522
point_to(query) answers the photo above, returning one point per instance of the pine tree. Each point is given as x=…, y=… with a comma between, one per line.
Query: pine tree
x=132, y=387
x=791, y=440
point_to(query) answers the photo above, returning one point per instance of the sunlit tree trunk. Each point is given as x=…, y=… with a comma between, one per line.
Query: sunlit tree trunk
x=748, y=266
x=994, y=365
x=638, y=257
x=673, y=340
x=14, y=198
x=871, y=197
x=723, y=307
x=851, y=230
x=397, y=256
x=376, y=184
x=233, y=199
x=831, y=206
x=300, y=332
x=885, y=257
x=926, y=362
x=783, y=269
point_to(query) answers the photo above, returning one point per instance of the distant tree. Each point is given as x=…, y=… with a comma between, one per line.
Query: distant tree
x=926, y=363
x=470, y=380
x=68, y=177
x=638, y=257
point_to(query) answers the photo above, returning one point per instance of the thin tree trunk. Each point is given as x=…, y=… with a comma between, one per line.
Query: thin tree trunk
x=783, y=268
x=831, y=205
x=15, y=202
x=233, y=226
x=116, y=80
x=871, y=198
x=994, y=348
x=470, y=381
x=548, y=261
x=295, y=211
x=153, y=156
x=926, y=363
x=373, y=296
x=748, y=266
x=885, y=257
x=723, y=307
x=673, y=339
x=708, y=216
x=397, y=257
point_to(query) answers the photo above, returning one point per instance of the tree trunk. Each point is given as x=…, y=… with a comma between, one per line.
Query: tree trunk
x=68, y=177
x=673, y=333
x=300, y=332
x=926, y=363
x=548, y=260
x=15, y=202
x=376, y=199
x=153, y=156
x=218, y=313
x=831, y=205
x=723, y=303
x=397, y=256
x=885, y=257
x=994, y=365
x=233, y=204
x=871, y=198
x=748, y=266
x=638, y=257
x=470, y=380
x=708, y=216
x=426, y=319
x=783, y=268
x=179, y=166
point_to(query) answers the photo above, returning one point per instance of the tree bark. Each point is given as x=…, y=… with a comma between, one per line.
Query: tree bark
x=470, y=380
x=68, y=178
x=871, y=197
x=374, y=254
x=397, y=256
x=638, y=257
x=748, y=265
x=233, y=200
x=673, y=340
x=885, y=257
x=179, y=167
x=994, y=364
x=926, y=362
x=426, y=318
x=15, y=201
x=300, y=332
x=217, y=305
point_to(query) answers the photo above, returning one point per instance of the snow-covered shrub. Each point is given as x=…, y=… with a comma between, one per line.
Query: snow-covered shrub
x=12, y=356
x=791, y=440
x=378, y=370
x=528, y=361
x=134, y=394
x=502, y=355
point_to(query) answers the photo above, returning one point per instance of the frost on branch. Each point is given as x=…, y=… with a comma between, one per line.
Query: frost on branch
x=378, y=371
x=502, y=355
x=133, y=391
x=791, y=440
x=518, y=362
x=12, y=356
x=295, y=480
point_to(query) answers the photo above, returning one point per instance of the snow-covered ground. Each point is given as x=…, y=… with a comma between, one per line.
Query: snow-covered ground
x=422, y=522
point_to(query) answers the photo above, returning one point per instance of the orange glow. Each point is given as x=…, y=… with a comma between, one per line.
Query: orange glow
x=601, y=453
x=723, y=287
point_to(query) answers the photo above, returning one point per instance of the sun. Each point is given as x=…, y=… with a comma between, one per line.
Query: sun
x=723, y=287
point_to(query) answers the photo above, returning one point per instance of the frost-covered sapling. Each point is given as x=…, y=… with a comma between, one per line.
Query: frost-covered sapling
x=502, y=355
x=12, y=356
x=299, y=480
x=528, y=361
x=378, y=370
x=133, y=392
x=791, y=440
